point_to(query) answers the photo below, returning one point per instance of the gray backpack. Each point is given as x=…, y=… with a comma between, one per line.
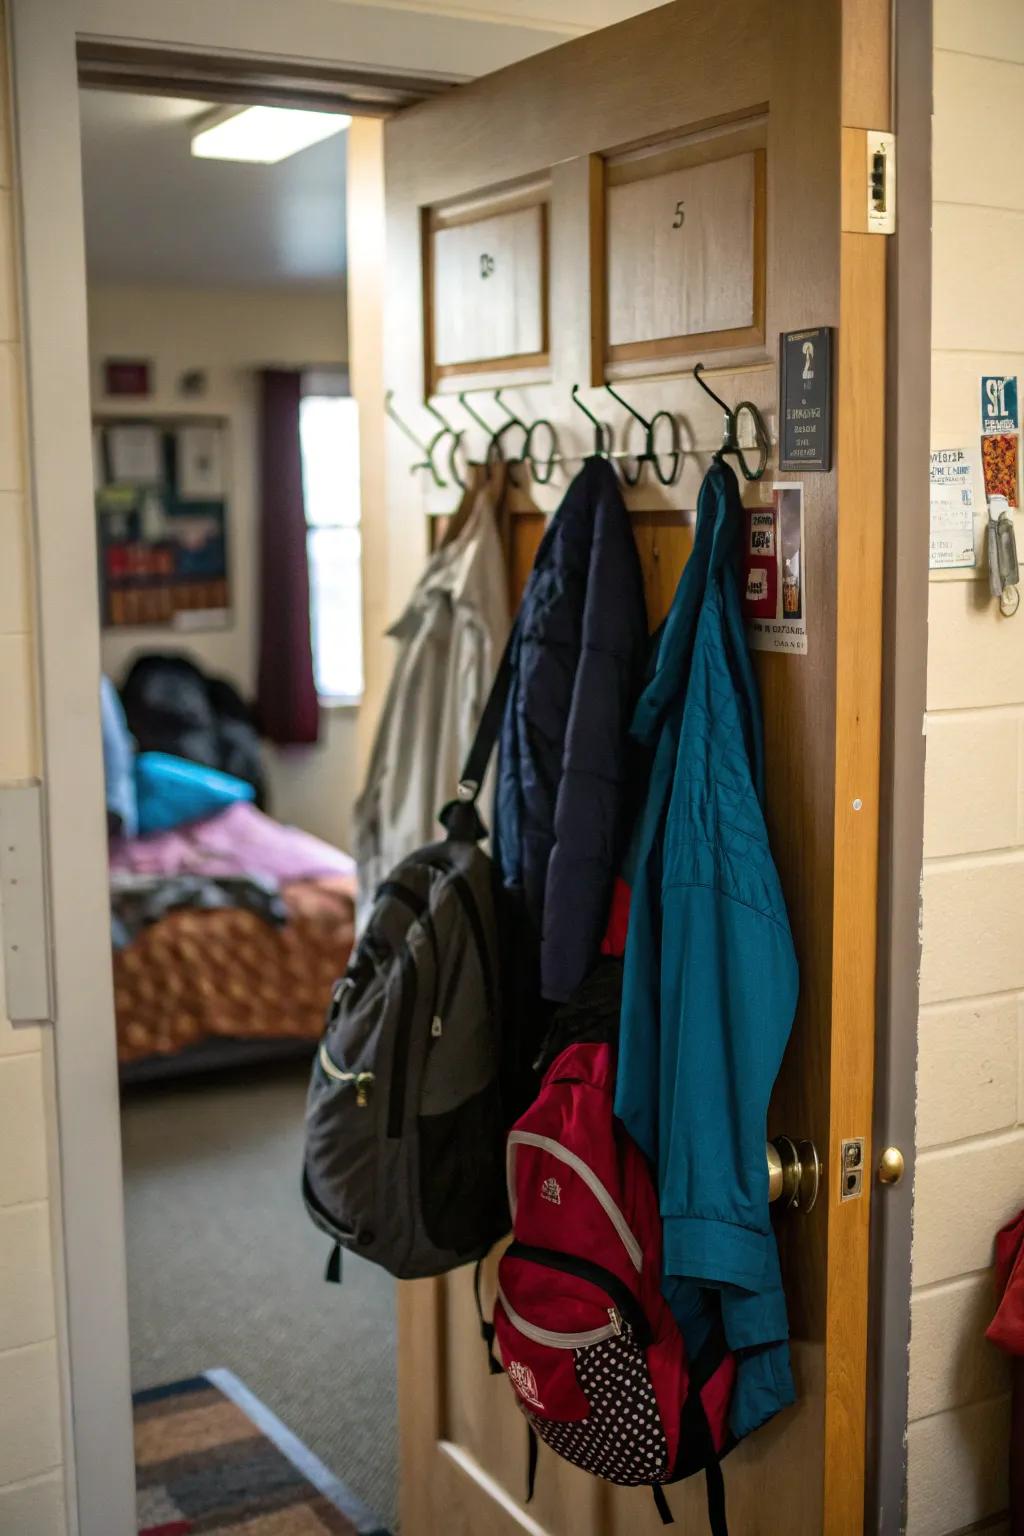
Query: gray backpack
x=405, y=1126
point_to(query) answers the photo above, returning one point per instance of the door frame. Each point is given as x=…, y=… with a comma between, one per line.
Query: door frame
x=43, y=38
x=901, y=832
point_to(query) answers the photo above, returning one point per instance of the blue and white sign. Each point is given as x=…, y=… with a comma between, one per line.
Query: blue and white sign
x=999, y=411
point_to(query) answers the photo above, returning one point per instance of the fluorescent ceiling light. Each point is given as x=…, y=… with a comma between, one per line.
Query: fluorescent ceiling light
x=264, y=134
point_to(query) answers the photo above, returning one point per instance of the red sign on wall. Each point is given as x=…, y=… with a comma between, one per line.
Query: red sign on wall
x=126, y=376
x=761, y=587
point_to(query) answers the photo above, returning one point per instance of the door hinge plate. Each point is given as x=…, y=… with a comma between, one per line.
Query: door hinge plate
x=881, y=182
x=24, y=906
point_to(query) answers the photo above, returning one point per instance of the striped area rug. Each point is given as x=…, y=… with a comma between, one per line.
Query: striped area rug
x=210, y=1457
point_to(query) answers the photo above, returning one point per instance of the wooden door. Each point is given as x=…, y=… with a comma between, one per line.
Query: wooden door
x=555, y=188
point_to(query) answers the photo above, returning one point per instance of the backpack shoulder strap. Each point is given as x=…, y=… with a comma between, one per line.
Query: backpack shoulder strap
x=479, y=755
x=460, y=817
x=486, y=1328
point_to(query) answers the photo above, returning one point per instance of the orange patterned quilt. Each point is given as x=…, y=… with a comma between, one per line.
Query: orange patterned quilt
x=195, y=975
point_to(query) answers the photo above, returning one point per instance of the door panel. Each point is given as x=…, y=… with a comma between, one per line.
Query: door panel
x=686, y=84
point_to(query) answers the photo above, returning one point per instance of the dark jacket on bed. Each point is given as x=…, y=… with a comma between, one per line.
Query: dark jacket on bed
x=173, y=706
x=579, y=649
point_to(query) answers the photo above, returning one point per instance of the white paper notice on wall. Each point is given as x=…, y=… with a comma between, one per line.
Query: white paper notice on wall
x=134, y=453
x=956, y=494
x=200, y=463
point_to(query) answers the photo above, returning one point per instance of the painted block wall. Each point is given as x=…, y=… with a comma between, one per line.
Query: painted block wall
x=31, y=1431
x=970, y=1111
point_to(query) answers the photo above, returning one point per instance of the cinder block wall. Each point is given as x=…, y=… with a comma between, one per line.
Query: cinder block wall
x=31, y=1454
x=970, y=1134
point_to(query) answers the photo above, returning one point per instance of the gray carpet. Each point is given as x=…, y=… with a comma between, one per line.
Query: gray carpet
x=225, y=1268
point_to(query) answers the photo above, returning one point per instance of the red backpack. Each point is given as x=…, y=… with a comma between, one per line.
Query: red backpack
x=586, y=1338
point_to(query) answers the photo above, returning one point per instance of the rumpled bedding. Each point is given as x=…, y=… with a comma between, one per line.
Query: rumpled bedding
x=238, y=841
x=195, y=976
x=136, y=901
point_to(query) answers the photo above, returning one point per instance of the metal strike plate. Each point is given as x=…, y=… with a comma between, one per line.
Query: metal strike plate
x=23, y=905
x=851, y=1169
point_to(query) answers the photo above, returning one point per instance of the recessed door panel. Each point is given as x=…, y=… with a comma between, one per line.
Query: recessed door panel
x=685, y=256
x=488, y=288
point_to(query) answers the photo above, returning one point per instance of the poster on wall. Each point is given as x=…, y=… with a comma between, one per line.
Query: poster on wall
x=999, y=461
x=1000, y=436
x=163, y=529
x=955, y=496
x=775, y=587
x=999, y=409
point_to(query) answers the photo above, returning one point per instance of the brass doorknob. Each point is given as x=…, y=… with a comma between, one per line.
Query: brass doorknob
x=891, y=1166
x=794, y=1173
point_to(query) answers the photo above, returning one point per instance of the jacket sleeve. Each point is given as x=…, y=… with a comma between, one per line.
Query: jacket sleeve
x=588, y=808
x=728, y=979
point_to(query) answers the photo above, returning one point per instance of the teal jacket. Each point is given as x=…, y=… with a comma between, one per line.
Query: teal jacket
x=710, y=983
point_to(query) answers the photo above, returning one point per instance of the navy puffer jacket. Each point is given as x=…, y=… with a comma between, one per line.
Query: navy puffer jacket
x=579, y=650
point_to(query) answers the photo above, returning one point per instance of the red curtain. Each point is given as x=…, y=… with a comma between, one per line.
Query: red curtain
x=289, y=711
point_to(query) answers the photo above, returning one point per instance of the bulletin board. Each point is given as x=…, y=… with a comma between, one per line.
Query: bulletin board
x=162, y=522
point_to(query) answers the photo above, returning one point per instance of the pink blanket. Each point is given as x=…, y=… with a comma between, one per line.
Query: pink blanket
x=238, y=841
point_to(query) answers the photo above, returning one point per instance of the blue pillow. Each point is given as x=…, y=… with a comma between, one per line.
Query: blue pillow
x=171, y=790
x=118, y=763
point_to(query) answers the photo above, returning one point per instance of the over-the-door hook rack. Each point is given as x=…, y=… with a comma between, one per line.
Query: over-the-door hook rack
x=541, y=469
x=493, y=435
x=650, y=454
x=602, y=431
x=456, y=437
x=427, y=448
x=730, y=436
x=507, y=426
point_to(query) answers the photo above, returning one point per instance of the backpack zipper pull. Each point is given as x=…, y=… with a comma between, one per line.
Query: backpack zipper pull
x=364, y=1082
x=436, y=1027
x=615, y=1317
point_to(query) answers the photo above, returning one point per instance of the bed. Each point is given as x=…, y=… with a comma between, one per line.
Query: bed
x=229, y=935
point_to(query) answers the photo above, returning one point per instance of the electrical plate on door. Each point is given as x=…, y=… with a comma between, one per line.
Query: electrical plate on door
x=881, y=179
x=851, y=1169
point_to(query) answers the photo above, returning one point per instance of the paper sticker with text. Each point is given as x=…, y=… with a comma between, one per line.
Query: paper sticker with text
x=955, y=495
x=775, y=586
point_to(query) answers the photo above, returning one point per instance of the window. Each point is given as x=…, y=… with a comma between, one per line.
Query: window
x=329, y=435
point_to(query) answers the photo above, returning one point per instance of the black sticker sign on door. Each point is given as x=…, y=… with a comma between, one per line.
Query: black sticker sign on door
x=805, y=395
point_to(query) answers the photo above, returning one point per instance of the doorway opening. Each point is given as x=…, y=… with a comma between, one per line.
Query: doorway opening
x=228, y=509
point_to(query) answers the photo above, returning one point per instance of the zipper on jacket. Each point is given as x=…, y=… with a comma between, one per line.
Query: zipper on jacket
x=625, y=1308
x=586, y=1173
